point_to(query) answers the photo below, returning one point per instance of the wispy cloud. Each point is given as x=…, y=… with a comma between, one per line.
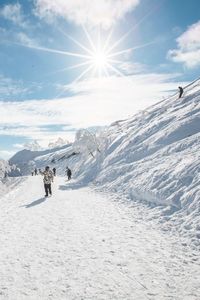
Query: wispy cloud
x=6, y=154
x=132, y=68
x=23, y=39
x=121, y=96
x=10, y=88
x=41, y=134
x=18, y=146
x=188, y=47
x=17, y=36
x=14, y=14
x=95, y=12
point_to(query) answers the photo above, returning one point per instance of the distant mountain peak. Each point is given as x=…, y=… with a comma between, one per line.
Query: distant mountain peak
x=33, y=146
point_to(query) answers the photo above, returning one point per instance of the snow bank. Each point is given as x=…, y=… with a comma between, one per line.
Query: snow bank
x=4, y=167
x=8, y=184
x=7, y=181
x=153, y=157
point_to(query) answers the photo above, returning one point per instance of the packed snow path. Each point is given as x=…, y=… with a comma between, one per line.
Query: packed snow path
x=82, y=245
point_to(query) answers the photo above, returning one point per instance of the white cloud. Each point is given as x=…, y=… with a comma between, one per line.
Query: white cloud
x=95, y=12
x=10, y=88
x=23, y=39
x=95, y=103
x=132, y=68
x=13, y=13
x=6, y=154
x=8, y=36
x=29, y=132
x=18, y=146
x=188, y=47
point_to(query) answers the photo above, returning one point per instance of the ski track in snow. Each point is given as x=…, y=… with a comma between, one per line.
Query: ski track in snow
x=84, y=245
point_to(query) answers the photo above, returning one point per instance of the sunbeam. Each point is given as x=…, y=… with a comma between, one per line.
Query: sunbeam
x=135, y=26
x=75, y=41
x=82, y=74
x=53, y=50
x=131, y=49
x=115, y=70
x=68, y=68
x=99, y=57
x=89, y=38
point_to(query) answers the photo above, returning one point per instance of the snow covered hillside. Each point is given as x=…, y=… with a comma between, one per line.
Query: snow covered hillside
x=153, y=157
x=4, y=167
x=8, y=177
x=8, y=169
x=26, y=160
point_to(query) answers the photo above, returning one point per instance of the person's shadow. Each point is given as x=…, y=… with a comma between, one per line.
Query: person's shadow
x=34, y=203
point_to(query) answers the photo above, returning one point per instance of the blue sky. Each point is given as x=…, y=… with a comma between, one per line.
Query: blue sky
x=43, y=95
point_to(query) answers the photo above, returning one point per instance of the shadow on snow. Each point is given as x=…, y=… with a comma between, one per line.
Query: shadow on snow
x=34, y=203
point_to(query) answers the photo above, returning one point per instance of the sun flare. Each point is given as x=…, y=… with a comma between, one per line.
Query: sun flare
x=100, y=60
x=101, y=57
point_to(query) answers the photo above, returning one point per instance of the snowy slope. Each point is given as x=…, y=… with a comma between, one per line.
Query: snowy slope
x=8, y=177
x=8, y=169
x=153, y=157
x=27, y=160
x=159, y=153
x=4, y=167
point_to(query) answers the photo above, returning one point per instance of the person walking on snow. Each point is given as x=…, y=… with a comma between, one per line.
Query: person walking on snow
x=48, y=179
x=69, y=173
x=54, y=171
x=180, y=91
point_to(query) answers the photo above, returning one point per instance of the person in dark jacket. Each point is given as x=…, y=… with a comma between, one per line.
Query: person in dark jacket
x=180, y=91
x=69, y=173
x=54, y=171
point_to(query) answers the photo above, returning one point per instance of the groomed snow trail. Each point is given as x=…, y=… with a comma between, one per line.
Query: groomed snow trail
x=80, y=245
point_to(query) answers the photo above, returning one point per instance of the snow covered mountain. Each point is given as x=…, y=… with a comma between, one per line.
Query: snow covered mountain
x=58, y=143
x=27, y=160
x=153, y=157
x=33, y=146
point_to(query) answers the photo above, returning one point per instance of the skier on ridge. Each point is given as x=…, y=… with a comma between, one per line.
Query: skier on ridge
x=180, y=91
x=48, y=179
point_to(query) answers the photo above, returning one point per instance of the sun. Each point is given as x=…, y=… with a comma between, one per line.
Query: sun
x=100, y=60
x=100, y=57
